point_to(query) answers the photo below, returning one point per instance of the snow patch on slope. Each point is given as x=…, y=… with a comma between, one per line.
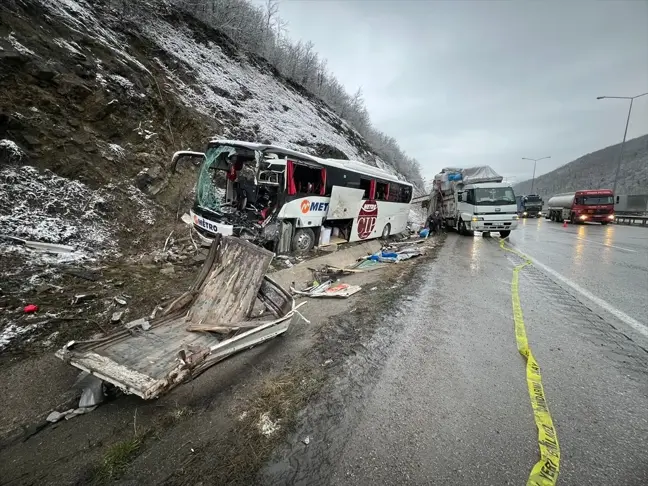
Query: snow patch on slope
x=43, y=207
x=264, y=104
x=51, y=209
x=78, y=15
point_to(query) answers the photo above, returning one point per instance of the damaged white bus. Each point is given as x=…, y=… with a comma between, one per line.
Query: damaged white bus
x=289, y=201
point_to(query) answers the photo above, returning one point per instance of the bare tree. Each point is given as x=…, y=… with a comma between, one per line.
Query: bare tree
x=261, y=30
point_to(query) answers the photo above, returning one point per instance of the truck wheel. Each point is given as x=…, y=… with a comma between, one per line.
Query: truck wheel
x=303, y=241
x=504, y=234
x=463, y=229
x=572, y=219
x=603, y=223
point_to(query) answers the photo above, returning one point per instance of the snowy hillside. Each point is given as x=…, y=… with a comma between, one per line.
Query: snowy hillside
x=94, y=104
x=245, y=97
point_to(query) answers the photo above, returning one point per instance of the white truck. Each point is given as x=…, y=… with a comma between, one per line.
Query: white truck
x=474, y=199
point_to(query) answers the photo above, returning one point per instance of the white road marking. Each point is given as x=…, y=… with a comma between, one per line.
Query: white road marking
x=605, y=244
x=622, y=316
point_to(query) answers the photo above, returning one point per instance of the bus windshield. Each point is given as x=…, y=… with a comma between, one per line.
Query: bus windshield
x=596, y=200
x=212, y=175
x=494, y=196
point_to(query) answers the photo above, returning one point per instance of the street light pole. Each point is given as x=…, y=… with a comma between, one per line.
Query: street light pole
x=625, y=133
x=535, y=161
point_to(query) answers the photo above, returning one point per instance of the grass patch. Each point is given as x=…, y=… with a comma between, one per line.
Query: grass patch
x=116, y=459
x=244, y=451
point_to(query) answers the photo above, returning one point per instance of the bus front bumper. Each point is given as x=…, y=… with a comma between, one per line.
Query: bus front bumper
x=210, y=228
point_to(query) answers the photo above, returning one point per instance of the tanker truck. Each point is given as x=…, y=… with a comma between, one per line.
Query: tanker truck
x=582, y=207
x=474, y=199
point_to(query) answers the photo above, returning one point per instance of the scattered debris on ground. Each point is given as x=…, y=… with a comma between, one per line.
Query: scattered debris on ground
x=326, y=280
x=217, y=308
x=329, y=289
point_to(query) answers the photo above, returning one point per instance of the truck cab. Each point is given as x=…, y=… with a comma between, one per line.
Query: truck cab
x=487, y=207
x=531, y=206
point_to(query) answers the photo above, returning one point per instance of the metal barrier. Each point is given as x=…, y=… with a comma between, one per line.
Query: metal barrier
x=631, y=220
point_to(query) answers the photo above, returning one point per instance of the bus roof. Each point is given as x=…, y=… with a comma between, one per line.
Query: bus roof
x=350, y=165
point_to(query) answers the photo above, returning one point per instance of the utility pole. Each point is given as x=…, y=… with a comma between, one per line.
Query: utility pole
x=535, y=161
x=625, y=133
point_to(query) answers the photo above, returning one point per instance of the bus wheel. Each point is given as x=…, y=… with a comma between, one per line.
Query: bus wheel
x=504, y=234
x=304, y=240
x=386, y=231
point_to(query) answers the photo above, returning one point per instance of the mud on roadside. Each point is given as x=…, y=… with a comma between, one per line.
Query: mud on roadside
x=212, y=428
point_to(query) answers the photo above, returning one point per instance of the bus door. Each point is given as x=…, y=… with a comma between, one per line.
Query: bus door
x=345, y=203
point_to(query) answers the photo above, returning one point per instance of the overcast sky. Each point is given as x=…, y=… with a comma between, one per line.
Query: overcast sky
x=487, y=82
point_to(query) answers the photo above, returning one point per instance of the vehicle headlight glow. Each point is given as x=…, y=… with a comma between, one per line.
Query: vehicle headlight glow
x=524, y=213
x=611, y=216
x=475, y=219
x=515, y=216
x=583, y=217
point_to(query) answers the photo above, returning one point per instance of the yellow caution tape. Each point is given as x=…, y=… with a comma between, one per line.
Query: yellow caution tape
x=545, y=471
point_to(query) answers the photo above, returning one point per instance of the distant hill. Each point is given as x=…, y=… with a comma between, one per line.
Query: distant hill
x=596, y=171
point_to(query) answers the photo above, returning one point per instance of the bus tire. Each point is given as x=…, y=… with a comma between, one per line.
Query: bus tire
x=505, y=233
x=303, y=241
x=386, y=231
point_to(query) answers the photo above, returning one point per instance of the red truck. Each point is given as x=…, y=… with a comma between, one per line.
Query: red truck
x=582, y=207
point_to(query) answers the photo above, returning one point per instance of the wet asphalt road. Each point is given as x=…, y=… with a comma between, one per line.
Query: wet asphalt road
x=609, y=261
x=446, y=401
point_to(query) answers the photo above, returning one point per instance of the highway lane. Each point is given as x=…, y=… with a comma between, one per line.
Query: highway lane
x=446, y=401
x=610, y=262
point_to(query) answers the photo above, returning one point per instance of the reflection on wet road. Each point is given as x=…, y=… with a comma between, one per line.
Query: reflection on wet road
x=610, y=261
x=438, y=395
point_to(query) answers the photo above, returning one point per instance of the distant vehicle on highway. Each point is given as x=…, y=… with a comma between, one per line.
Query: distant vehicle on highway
x=529, y=206
x=474, y=199
x=582, y=207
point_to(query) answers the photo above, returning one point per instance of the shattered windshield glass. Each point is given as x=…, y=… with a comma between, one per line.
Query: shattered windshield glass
x=494, y=196
x=210, y=188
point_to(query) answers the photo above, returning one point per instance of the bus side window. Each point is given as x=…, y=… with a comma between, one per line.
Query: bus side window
x=394, y=192
x=365, y=184
x=382, y=189
x=309, y=180
x=405, y=194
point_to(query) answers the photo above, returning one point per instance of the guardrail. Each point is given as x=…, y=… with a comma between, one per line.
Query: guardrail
x=631, y=220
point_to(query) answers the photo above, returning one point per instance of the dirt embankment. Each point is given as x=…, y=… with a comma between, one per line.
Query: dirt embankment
x=95, y=99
